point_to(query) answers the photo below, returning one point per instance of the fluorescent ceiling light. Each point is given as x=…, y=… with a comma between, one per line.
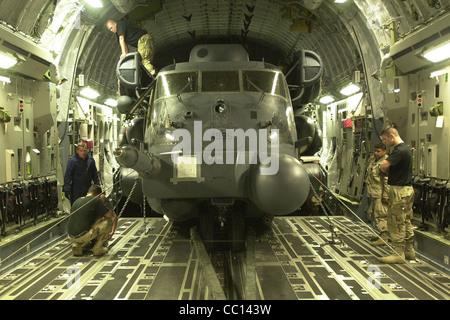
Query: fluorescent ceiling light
x=340, y=1
x=326, y=99
x=6, y=61
x=350, y=89
x=5, y=79
x=437, y=73
x=111, y=102
x=438, y=54
x=95, y=3
x=89, y=93
x=440, y=122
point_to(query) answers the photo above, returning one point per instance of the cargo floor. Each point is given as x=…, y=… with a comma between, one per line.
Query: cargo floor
x=295, y=260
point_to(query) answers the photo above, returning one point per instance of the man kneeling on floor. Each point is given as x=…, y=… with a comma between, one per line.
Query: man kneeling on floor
x=91, y=220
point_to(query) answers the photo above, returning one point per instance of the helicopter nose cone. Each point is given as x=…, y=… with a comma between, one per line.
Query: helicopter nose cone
x=283, y=192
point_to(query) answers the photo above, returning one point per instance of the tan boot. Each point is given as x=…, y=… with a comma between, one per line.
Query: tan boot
x=77, y=249
x=394, y=258
x=381, y=241
x=410, y=253
x=99, y=249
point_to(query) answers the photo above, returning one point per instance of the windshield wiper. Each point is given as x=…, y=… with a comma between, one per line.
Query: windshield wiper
x=189, y=83
x=263, y=94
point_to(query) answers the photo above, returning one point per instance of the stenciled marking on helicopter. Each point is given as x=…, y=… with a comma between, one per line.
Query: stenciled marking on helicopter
x=257, y=147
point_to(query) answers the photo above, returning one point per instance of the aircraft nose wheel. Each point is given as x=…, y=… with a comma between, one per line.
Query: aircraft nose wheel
x=226, y=228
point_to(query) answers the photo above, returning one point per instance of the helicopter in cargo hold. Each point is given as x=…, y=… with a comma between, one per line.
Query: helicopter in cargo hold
x=216, y=138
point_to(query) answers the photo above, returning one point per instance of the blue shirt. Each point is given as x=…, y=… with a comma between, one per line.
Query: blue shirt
x=79, y=176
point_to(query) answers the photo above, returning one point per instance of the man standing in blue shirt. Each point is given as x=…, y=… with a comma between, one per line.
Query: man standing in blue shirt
x=401, y=196
x=81, y=173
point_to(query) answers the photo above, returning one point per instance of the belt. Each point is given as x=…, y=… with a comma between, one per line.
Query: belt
x=80, y=235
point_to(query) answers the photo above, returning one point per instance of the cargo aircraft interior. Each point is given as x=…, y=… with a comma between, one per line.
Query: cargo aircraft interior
x=224, y=150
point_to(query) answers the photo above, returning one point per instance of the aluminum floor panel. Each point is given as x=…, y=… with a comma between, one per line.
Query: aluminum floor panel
x=293, y=261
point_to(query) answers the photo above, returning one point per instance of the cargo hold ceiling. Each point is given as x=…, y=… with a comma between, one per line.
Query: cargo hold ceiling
x=270, y=30
x=351, y=36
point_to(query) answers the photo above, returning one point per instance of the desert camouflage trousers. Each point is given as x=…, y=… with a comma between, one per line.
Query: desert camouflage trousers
x=400, y=213
x=146, y=48
x=378, y=211
x=100, y=232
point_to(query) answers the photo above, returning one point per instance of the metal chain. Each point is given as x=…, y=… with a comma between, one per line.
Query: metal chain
x=333, y=229
x=129, y=197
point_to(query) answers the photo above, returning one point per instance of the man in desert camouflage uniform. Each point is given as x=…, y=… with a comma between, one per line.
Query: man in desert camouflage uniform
x=401, y=196
x=378, y=191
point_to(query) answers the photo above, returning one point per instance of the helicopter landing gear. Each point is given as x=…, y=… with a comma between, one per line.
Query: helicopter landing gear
x=222, y=227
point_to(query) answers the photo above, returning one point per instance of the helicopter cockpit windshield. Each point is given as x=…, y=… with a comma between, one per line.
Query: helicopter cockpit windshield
x=173, y=83
x=265, y=82
x=181, y=85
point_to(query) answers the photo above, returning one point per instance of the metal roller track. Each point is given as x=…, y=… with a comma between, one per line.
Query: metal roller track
x=294, y=260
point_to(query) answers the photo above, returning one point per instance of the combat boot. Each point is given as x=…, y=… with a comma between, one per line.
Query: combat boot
x=397, y=257
x=99, y=249
x=77, y=249
x=382, y=240
x=410, y=253
x=375, y=238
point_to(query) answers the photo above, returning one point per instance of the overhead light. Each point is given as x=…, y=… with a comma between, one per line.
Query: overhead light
x=350, y=89
x=6, y=61
x=440, y=122
x=396, y=85
x=326, y=99
x=5, y=79
x=89, y=93
x=437, y=73
x=95, y=3
x=438, y=54
x=111, y=102
x=340, y=1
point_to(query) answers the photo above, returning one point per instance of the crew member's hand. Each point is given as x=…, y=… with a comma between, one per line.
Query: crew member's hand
x=385, y=200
